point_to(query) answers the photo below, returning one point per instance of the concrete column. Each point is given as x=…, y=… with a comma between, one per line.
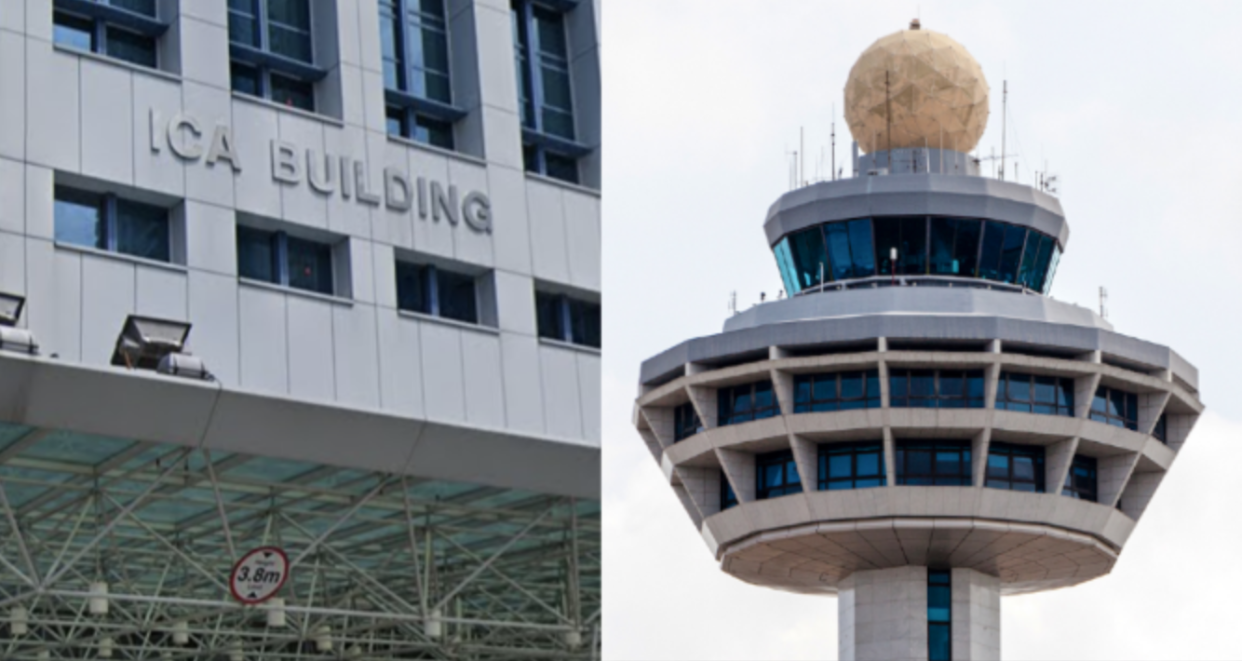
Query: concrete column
x=882, y=614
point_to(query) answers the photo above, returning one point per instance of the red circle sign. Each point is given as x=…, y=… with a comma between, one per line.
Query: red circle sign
x=259, y=575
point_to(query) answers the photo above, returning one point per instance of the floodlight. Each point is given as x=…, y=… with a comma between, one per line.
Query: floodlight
x=433, y=627
x=323, y=638
x=181, y=633
x=18, y=340
x=276, y=613
x=97, y=601
x=106, y=647
x=145, y=341
x=19, y=621
x=10, y=308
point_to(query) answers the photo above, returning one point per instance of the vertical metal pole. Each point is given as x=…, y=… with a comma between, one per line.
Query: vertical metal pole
x=888, y=117
x=1004, y=117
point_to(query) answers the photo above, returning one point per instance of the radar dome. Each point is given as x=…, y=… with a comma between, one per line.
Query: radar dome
x=936, y=92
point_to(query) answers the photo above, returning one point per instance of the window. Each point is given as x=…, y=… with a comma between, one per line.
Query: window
x=1161, y=430
x=727, y=497
x=1115, y=407
x=414, y=41
x=685, y=422
x=776, y=474
x=752, y=401
x=837, y=392
x=1016, y=467
x=568, y=319
x=851, y=466
x=272, y=53
x=428, y=289
x=1002, y=251
x=939, y=615
x=909, y=237
x=544, y=95
x=285, y=260
x=1080, y=481
x=1029, y=393
x=127, y=30
x=954, y=246
x=105, y=222
x=939, y=463
x=946, y=389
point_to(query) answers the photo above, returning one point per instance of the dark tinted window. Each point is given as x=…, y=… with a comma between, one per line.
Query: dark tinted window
x=851, y=466
x=809, y=258
x=132, y=47
x=990, y=254
x=923, y=388
x=74, y=31
x=939, y=463
x=1115, y=407
x=142, y=230
x=293, y=92
x=548, y=313
x=1161, y=429
x=1080, y=481
x=751, y=401
x=79, y=218
x=1030, y=393
x=1011, y=253
x=727, y=497
x=568, y=319
x=909, y=236
x=836, y=392
x=457, y=297
x=776, y=474
x=1015, y=467
x=413, y=287
x=939, y=615
x=310, y=265
x=256, y=255
x=104, y=222
x=289, y=29
x=685, y=422
x=584, y=323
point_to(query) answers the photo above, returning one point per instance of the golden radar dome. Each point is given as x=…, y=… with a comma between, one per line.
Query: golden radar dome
x=936, y=92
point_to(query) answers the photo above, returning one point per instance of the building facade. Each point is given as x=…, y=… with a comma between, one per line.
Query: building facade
x=320, y=275
x=918, y=429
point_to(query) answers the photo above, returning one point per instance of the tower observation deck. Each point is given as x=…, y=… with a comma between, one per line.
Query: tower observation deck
x=918, y=428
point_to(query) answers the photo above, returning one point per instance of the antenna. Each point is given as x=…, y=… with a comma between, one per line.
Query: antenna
x=888, y=117
x=1104, y=303
x=801, y=156
x=1004, y=116
x=733, y=301
x=834, y=142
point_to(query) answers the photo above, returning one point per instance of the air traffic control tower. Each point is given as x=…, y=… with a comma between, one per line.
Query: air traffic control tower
x=918, y=428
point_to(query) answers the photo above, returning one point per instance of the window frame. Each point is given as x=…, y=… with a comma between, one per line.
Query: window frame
x=686, y=422
x=1062, y=386
x=1089, y=485
x=104, y=15
x=728, y=498
x=108, y=222
x=939, y=584
x=962, y=478
x=430, y=281
x=1009, y=451
x=267, y=63
x=279, y=239
x=853, y=450
x=537, y=144
x=937, y=399
x=1129, y=399
x=786, y=465
x=564, y=318
x=726, y=404
x=415, y=109
x=839, y=402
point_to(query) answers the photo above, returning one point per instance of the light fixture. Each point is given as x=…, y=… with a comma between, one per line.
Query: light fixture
x=106, y=647
x=433, y=627
x=19, y=621
x=157, y=344
x=323, y=638
x=276, y=612
x=573, y=639
x=181, y=633
x=235, y=651
x=97, y=602
x=12, y=338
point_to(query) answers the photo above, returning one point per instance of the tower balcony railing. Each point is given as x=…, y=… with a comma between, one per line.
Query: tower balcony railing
x=877, y=281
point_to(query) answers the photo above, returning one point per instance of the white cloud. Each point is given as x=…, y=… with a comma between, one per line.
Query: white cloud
x=1134, y=105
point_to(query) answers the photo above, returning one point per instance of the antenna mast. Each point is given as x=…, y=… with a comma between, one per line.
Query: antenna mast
x=888, y=117
x=1004, y=116
x=801, y=156
x=1104, y=303
x=834, y=142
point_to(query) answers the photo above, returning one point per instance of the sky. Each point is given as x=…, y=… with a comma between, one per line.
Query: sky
x=1136, y=107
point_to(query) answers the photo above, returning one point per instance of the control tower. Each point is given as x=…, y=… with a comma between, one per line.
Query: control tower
x=917, y=428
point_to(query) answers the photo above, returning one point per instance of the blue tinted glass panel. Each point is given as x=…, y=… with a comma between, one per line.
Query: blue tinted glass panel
x=310, y=265
x=144, y=7
x=1052, y=268
x=809, y=257
x=1039, y=276
x=993, y=244
x=943, y=235
x=1011, y=254
x=73, y=31
x=939, y=643
x=549, y=316
x=913, y=251
x=584, y=323
x=293, y=92
x=132, y=47
x=79, y=219
x=838, y=238
x=1030, y=255
x=390, y=44
x=289, y=29
x=887, y=237
x=436, y=133
x=256, y=255
x=560, y=167
x=966, y=246
x=412, y=288
x=142, y=230
x=245, y=79
x=784, y=262
x=861, y=250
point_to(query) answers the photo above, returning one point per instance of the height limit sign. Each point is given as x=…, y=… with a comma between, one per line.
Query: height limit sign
x=259, y=575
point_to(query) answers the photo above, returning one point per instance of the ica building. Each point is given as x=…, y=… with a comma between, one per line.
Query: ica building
x=320, y=275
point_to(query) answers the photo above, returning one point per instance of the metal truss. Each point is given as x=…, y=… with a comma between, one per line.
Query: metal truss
x=382, y=567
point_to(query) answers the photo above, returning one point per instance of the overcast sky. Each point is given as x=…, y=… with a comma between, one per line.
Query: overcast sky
x=1136, y=106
